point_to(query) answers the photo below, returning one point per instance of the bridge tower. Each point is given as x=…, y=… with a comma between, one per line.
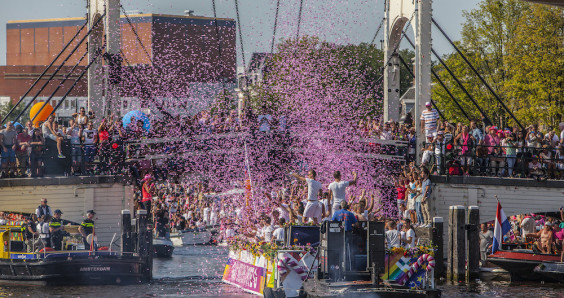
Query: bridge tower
x=397, y=14
x=103, y=94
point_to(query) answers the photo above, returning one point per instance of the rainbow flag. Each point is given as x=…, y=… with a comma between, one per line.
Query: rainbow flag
x=396, y=267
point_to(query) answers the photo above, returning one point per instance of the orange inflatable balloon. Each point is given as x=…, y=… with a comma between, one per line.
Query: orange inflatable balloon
x=42, y=116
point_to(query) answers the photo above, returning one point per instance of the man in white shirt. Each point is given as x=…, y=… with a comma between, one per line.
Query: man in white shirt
x=392, y=235
x=313, y=208
x=337, y=191
x=409, y=239
x=279, y=233
x=267, y=229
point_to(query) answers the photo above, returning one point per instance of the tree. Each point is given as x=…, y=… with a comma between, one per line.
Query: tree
x=5, y=109
x=517, y=48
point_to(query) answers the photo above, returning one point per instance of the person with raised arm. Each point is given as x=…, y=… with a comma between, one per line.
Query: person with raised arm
x=337, y=191
x=313, y=208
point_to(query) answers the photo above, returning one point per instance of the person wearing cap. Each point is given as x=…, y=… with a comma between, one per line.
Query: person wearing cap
x=429, y=118
x=56, y=229
x=87, y=227
x=147, y=191
x=547, y=159
x=535, y=168
x=30, y=233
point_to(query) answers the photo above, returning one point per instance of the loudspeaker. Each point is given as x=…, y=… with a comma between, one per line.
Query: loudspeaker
x=332, y=250
x=376, y=247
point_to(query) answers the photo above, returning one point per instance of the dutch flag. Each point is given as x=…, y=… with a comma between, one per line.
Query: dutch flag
x=502, y=227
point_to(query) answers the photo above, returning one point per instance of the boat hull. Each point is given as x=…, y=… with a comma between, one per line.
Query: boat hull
x=553, y=270
x=162, y=248
x=75, y=269
x=521, y=265
x=191, y=238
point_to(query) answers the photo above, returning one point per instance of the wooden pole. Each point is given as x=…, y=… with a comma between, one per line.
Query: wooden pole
x=473, y=243
x=457, y=243
x=437, y=240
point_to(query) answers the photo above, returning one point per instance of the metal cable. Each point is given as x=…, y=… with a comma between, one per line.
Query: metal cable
x=275, y=25
x=240, y=32
x=299, y=19
x=377, y=31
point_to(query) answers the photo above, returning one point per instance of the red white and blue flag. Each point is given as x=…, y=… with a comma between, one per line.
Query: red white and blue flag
x=502, y=227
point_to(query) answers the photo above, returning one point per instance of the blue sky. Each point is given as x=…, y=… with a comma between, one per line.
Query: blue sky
x=342, y=21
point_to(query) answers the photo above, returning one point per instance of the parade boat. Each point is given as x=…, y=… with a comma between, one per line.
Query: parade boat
x=552, y=270
x=521, y=263
x=73, y=266
x=162, y=247
x=319, y=262
x=192, y=237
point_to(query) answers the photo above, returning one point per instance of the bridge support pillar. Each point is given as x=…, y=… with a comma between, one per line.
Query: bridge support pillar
x=456, y=244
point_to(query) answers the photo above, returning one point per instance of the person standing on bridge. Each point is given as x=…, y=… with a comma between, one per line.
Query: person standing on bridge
x=147, y=190
x=337, y=191
x=429, y=118
x=313, y=207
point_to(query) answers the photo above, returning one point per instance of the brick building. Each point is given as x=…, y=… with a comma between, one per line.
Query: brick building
x=186, y=50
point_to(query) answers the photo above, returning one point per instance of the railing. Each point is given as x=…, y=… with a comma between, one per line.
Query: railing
x=497, y=162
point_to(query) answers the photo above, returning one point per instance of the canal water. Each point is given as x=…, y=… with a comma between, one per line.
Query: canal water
x=196, y=272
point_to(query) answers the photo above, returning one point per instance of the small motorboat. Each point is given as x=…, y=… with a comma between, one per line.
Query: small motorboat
x=552, y=270
x=162, y=248
x=521, y=264
x=192, y=237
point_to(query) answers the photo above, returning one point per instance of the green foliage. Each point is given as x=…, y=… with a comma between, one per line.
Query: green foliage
x=5, y=109
x=518, y=49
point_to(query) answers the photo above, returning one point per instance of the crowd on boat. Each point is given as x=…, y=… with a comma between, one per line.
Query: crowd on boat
x=47, y=230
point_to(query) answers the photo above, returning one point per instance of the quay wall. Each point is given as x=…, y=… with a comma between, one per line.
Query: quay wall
x=74, y=196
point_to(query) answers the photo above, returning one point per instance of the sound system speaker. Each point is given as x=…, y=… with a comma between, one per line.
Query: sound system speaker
x=332, y=250
x=376, y=246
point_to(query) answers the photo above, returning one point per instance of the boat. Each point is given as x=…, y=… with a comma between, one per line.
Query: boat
x=552, y=270
x=192, y=237
x=162, y=247
x=521, y=264
x=72, y=266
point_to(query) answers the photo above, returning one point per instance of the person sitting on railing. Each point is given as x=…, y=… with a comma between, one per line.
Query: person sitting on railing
x=23, y=150
x=467, y=143
x=546, y=157
x=535, y=168
x=49, y=132
x=429, y=118
x=551, y=138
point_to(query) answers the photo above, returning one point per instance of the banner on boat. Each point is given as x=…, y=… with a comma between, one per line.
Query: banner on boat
x=245, y=276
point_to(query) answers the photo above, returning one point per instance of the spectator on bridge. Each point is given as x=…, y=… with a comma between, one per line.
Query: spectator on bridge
x=466, y=142
x=36, y=156
x=551, y=138
x=509, y=145
x=49, y=132
x=74, y=133
x=476, y=132
x=426, y=201
x=429, y=118
x=547, y=160
x=23, y=150
x=8, y=145
x=89, y=139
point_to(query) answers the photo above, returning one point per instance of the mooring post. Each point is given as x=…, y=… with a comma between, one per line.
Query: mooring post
x=126, y=243
x=141, y=233
x=438, y=241
x=457, y=243
x=473, y=243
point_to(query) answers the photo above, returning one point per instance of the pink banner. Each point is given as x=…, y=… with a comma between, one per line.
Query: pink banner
x=245, y=276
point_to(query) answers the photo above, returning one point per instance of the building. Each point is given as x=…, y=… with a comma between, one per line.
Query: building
x=187, y=52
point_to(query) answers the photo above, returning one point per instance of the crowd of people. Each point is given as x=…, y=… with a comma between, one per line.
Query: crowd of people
x=195, y=206
x=541, y=233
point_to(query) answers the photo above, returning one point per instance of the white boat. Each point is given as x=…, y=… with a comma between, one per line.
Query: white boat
x=191, y=237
